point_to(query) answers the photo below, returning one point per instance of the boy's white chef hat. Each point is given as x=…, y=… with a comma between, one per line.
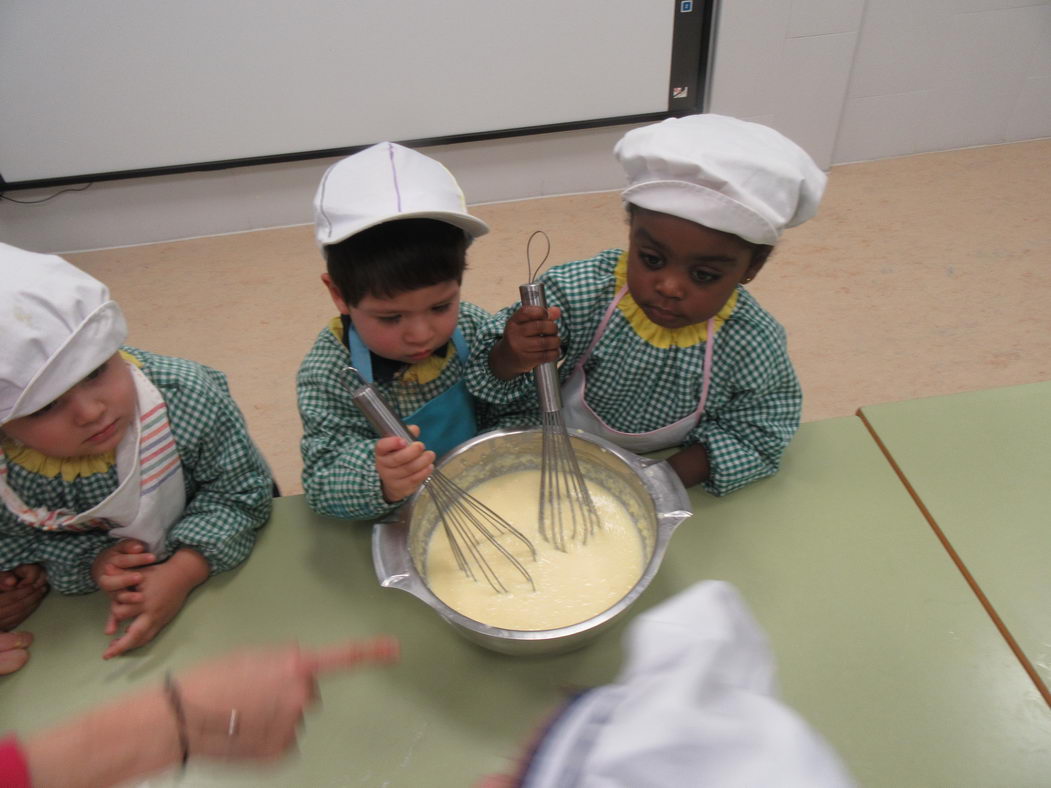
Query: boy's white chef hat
x=385, y=182
x=727, y=174
x=59, y=325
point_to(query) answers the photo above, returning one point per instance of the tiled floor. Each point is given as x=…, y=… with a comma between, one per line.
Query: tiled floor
x=920, y=276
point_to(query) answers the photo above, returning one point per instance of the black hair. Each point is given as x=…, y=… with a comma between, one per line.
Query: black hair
x=760, y=252
x=397, y=256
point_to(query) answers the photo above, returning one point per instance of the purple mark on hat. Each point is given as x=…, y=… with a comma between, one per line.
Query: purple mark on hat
x=394, y=175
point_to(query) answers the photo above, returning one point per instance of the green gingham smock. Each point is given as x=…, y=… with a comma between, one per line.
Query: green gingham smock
x=229, y=488
x=339, y=445
x=754, y=400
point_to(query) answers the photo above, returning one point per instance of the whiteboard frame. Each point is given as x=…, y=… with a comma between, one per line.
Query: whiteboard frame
x=689, y=72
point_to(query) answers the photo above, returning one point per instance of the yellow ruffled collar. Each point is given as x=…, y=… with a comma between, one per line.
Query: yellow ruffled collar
x=659, y=336
x=69, y=468
x=422, y=372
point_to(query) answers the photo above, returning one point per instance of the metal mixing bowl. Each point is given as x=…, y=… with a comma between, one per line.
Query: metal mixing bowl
x=649, y=490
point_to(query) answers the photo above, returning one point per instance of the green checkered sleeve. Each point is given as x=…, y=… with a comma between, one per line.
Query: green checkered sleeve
x=754, y=412
x=338, y=444
x=65, y=555
x=229, y=488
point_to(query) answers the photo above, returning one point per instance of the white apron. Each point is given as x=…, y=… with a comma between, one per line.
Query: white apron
x=578, y=414
x=150, y=494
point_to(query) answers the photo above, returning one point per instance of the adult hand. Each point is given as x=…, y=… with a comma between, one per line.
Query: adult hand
x=248, y=705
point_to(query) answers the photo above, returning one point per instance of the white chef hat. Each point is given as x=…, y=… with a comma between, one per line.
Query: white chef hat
x=59, y=325
x=695, y=704
x=385, y=182
x=727, y=174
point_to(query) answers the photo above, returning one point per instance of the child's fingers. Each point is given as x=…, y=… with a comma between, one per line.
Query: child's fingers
x=408, y=459
x=12, y=659
x=140, y=632
x=128, y=546
x=13, y=640
x=389, y=445
x=111, y=625
x=111, y=582
x=128, y=561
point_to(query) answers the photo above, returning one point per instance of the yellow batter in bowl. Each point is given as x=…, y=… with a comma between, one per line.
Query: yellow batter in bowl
x=571, y=586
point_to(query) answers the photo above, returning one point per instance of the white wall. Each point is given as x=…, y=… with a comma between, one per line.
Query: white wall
x=849, y=80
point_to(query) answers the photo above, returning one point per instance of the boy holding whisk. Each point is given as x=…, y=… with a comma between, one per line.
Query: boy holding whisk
x=662, y=345
x=394, y=230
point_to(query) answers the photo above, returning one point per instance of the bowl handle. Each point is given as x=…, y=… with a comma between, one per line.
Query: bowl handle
x=667, y=490
x=390, y=554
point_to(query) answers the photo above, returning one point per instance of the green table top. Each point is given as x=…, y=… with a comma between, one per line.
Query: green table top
x=880, y=643
x=980, y=463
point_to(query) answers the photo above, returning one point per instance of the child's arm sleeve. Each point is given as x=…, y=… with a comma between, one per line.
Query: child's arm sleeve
x=480, y=380
x=747, y=436
x=339, y=448
x=66, y=555
x=231, y=488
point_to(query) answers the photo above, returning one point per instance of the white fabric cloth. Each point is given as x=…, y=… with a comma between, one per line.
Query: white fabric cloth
x=151, y=492
x=727, y=174
x=59, y=325
x=695, y=705
x=385, y=182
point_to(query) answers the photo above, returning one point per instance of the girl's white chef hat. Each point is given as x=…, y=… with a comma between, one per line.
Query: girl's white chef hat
x=727, y=174
x=59, y=325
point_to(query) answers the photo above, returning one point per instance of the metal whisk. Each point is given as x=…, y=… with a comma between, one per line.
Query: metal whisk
x=469, y=524
x=565, y=502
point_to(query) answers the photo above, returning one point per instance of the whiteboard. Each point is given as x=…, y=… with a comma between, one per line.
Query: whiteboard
x=111, y=86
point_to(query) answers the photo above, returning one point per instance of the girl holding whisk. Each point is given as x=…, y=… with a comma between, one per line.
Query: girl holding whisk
x=394, y=231
x=662, y=346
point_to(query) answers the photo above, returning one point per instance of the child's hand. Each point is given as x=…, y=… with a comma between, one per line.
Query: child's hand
x=116, y=570
x=14, y=650
x=402, y=466
x=21, y=591
x=530, y=339
x=161, y=592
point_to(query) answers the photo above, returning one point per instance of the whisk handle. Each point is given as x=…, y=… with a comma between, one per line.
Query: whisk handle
x=548, y=389
x=378, y=413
